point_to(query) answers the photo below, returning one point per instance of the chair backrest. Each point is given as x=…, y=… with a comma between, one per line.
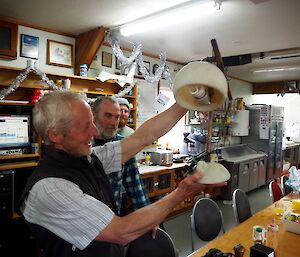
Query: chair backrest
x=206, y=220
x=285, y=188
x=275, y=191
x=146, y=246
x=241, y=206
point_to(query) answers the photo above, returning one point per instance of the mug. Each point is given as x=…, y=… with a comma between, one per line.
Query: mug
x=66, y=83
x=259, y=234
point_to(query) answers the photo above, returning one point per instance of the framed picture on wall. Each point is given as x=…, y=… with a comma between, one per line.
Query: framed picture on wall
x=8, y=40
x=147, y=66
x=29, y=46
x=106, y=59
x=154, y=68
x=163, y=76
x=118, y=64
x=59, y=53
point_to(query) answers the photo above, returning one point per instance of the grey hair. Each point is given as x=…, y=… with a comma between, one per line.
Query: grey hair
x=54, y=110
x=96, y=104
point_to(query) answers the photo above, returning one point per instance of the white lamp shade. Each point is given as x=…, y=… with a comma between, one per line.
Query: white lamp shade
x=196, y=78
x=213, y=172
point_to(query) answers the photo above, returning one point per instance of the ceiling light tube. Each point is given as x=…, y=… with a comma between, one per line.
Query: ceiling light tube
x=276, y=69
x=167, y=17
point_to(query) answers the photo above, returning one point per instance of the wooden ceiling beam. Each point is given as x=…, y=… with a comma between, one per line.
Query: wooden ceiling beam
x=268, y=87
x=87, y=46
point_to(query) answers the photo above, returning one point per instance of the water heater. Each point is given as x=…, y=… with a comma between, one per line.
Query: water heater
x=240, y=123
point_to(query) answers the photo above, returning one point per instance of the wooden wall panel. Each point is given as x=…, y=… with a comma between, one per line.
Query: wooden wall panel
x=87, y=46
x=268, y=87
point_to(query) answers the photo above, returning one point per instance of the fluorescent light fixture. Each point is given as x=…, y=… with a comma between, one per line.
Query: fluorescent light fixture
x=276, y=69
x=174, y=15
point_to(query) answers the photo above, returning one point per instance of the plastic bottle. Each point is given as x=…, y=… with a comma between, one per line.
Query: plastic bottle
x=239, y=250
x=83, y=70
x=147, y=159
x=272, y=236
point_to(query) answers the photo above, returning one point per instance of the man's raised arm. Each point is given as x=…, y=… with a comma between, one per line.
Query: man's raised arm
x=151, y=130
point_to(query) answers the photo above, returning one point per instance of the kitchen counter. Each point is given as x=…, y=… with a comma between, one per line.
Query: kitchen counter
x=161, y=180
x=291, y=154
x=145, y=169
x=247, y=167
x=247, y=157
x=290, y=145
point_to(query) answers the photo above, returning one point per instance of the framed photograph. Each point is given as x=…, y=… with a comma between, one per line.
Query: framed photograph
x=59, y=54
x=8, y=40
x=163, y=76
x=154, y=68
x=147, y=66
x=118, y=64
x=106, y=59
x=29, y=46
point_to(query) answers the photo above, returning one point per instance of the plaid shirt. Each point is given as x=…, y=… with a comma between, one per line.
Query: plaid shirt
x=127, y=180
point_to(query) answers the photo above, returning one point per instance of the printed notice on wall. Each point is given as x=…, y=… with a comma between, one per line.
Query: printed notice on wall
x=161, y=102
x=147, y=93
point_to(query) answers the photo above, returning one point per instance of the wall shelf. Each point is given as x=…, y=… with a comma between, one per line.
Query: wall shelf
x=18, y=165
x=9, y=74
x=18, y=156
x=18, y=101
x=18, y=161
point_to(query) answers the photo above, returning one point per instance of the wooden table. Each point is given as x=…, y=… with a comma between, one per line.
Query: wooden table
x=288, y=244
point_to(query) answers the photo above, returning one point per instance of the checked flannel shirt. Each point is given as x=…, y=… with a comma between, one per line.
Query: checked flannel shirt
x=127, y=180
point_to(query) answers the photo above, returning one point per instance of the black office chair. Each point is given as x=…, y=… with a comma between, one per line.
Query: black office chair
x=285, y=188
x=146, y=246
x=241, y=206
x=206, y=220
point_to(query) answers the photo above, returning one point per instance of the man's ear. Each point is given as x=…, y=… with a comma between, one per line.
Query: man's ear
x=54, y=137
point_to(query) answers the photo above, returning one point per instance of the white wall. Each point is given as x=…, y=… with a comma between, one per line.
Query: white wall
x=21, y=62
x=174, y=138
x=240, y=89
x=290, y=102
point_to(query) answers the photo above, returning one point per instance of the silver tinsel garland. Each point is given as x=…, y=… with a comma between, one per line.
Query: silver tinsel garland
x=126, y=90
x=167, y=75
x=158, y=73
x=136, y=54
x=22, y=76
x=125, y=61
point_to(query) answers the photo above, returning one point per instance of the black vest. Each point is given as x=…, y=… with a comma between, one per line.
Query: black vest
x=92, y=180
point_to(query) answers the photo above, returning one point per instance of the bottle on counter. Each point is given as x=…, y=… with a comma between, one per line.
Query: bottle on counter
x=239, y=250
x=83, y=70
x=148, y=159
x=272, y=235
